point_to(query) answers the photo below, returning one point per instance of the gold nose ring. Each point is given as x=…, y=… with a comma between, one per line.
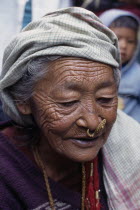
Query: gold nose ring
x=90, y=134
x=97, y=130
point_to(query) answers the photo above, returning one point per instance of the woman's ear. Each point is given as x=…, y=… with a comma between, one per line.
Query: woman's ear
x=24, y=108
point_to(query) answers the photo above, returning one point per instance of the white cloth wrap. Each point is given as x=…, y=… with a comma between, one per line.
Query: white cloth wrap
x=121, y=156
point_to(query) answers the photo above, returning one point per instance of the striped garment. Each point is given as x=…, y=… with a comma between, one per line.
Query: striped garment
x=122, y=164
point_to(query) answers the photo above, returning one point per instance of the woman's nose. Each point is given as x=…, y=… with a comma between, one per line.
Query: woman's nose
x=89, y=120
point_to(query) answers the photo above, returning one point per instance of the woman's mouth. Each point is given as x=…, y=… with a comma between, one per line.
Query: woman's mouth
x=85, y=142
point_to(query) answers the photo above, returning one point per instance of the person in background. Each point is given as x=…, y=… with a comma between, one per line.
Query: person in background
x=126, y=26
x=100, y=6
x=59, y=85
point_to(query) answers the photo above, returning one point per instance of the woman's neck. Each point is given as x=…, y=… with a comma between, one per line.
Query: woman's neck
x=61, y=169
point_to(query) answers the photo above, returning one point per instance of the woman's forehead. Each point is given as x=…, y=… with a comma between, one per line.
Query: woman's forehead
x=75, y=65
x=75, y=73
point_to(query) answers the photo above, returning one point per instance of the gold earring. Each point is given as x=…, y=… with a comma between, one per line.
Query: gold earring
x=100, y=126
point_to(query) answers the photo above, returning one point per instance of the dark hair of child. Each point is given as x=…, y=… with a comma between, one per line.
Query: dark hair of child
x=125, y=21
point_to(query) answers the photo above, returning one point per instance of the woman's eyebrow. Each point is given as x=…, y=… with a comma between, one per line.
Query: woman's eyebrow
x=70, y=85
x=78, y=87
x=75, y=85
x=106, y=84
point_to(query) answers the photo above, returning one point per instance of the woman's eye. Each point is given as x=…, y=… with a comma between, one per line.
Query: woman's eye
x=68, y=104
x=105, y=100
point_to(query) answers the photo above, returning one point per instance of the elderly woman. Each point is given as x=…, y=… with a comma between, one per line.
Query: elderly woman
x=59, y=86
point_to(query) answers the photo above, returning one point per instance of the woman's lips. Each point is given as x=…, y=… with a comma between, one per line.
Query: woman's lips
x=85, y=142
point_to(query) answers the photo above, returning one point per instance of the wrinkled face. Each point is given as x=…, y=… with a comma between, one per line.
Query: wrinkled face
x=127, y=39
x=75, y=95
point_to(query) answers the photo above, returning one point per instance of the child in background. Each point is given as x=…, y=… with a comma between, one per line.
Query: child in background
x=126, y=26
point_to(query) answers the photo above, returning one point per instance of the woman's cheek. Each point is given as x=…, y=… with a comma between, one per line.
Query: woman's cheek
x=53, y=118
x=62, y=123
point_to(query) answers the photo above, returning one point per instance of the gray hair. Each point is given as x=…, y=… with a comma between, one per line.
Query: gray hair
x=23, y=90
x=36, y=69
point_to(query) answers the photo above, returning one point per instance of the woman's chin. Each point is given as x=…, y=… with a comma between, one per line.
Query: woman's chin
x=83, y=156
x=81, y=151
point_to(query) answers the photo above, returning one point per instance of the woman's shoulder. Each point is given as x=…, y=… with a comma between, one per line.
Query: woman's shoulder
x=16, y=173
x=5, y=138
x=11, y=153
x=8, y=151
x=7, y=131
